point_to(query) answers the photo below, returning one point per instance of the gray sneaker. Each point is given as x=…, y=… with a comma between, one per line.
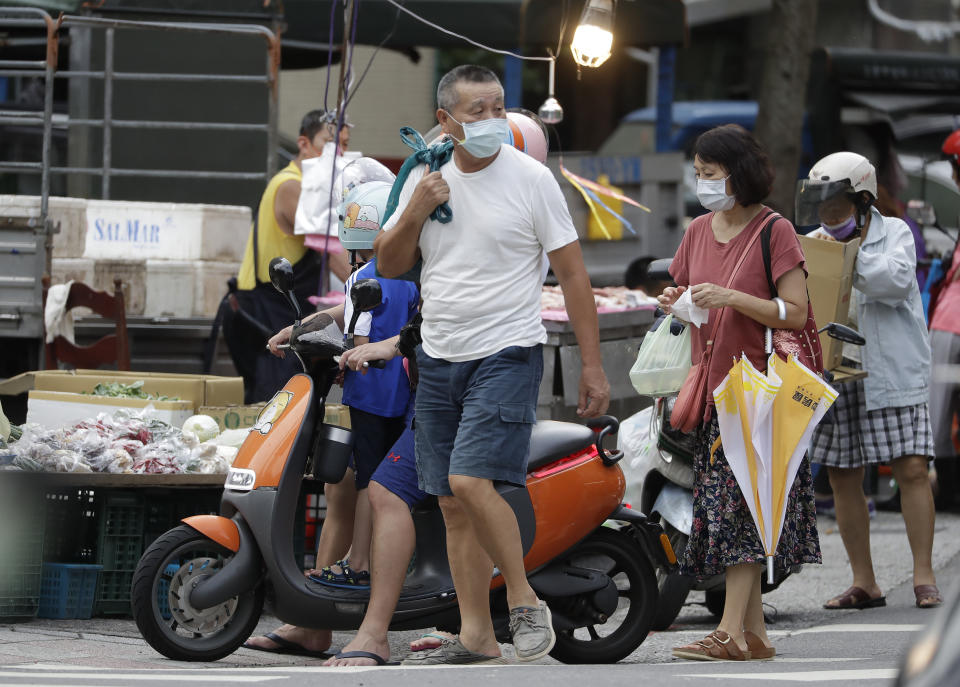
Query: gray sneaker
x=532, y=631
x=451, y=652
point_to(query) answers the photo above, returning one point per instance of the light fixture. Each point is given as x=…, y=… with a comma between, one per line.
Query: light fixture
x=551, y=112
x=594, y=35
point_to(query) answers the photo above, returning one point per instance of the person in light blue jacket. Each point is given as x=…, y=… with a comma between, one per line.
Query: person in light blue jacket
x=883, y=418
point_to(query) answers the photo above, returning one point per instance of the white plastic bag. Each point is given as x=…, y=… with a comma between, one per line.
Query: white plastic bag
x=638, y=441
x=663, y=361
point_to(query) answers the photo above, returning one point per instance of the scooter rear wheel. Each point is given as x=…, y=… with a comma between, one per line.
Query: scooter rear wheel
x=620, y=557
x=160, y=598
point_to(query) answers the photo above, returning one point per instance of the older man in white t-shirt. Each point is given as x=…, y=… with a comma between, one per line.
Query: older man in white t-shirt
x=481, y=359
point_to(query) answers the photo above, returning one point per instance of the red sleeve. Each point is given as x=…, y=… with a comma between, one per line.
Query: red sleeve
x=785, y=250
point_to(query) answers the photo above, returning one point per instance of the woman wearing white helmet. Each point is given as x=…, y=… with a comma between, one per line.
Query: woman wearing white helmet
x=883, y=418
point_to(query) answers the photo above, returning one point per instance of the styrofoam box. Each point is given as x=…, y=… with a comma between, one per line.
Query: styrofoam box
x=133, y=275
x=72, y=269
x=124, y=229
x=54, y=409
x=170, y=231
x=210, y=281
x=68, y=213
x=169, y=288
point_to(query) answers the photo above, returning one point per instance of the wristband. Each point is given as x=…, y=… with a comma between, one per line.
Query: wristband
x=781, y=309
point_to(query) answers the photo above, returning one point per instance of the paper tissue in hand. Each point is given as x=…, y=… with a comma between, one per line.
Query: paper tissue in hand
x=687, y=311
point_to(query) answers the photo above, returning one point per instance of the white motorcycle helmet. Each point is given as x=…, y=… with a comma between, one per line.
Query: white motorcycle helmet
x=843, y=177
x=361, y=214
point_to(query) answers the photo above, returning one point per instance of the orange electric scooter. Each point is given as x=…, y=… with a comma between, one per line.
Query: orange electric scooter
x=199, y=589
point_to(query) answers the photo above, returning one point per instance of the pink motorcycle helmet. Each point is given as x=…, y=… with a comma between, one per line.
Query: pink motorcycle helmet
x=527, y=134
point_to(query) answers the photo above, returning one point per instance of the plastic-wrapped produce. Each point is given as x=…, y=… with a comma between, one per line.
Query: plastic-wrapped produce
x=124, y=442
x=65, y=460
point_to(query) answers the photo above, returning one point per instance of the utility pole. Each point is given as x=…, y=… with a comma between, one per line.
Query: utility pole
x=783, y=94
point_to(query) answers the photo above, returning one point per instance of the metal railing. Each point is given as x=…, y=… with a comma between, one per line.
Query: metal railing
x=48, y=69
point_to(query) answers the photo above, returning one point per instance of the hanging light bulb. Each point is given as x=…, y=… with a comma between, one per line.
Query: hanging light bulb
x=594, y=35
x=551, y=112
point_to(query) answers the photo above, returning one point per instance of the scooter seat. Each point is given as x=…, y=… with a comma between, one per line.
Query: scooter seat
x=552, y=440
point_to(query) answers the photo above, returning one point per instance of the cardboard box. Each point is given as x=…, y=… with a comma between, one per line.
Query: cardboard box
x=241, y=416
x=830, y=266
x=197, y=390
x=233, y=417
x=55, y=409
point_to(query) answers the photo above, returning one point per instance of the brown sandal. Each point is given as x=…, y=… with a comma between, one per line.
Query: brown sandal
x=758, y=650
x=716, y=646
x=855, y=597
x=928, y=596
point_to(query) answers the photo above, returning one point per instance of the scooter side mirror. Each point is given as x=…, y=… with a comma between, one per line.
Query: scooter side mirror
x=281, y=276
x=365, y=295
x=659, y=270
x=844, y=333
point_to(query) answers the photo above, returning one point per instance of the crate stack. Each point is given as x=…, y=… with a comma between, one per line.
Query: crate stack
x=21, y=550
x=119, y=548
x=96, y=537
x=174, y=258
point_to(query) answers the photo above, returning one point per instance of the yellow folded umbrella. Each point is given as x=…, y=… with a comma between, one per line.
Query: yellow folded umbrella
x=766, y=424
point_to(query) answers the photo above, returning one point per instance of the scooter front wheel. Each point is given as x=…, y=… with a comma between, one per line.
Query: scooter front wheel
x=607, y=638
x=160, y=597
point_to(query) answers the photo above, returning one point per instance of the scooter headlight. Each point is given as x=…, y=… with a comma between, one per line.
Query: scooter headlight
x=240, y=479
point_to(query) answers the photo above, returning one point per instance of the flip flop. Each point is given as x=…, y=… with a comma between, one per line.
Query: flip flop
x=927, y=596
x=431, y=635
x=285, y=646
x=855, y=597
x=379, y=660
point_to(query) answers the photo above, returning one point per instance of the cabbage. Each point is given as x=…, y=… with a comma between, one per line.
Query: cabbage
x=203, y=427
x=232, y=437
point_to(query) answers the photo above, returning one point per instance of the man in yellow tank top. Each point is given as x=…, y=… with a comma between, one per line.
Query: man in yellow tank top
x=273, y=231
x=278, y=205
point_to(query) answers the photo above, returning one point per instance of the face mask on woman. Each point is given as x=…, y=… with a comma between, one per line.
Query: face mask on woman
x=483, y=138
x=843, y=230
x=712, y=194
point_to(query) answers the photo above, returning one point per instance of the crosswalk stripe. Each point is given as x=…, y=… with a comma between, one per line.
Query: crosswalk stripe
x=862, y=627
x=807, y=676
x=152, y=675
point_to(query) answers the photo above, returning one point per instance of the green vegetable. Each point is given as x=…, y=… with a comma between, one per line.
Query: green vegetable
x=15, y=433
x=133, y=390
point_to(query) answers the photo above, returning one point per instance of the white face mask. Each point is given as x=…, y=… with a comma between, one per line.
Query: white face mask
x=712, y=194
x=483, y=138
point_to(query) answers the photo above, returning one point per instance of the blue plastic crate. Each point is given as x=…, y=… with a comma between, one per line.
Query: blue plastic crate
x=67, y=590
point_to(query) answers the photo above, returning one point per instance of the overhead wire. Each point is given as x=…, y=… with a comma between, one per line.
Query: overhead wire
x=326, y=90
x=464, y=38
